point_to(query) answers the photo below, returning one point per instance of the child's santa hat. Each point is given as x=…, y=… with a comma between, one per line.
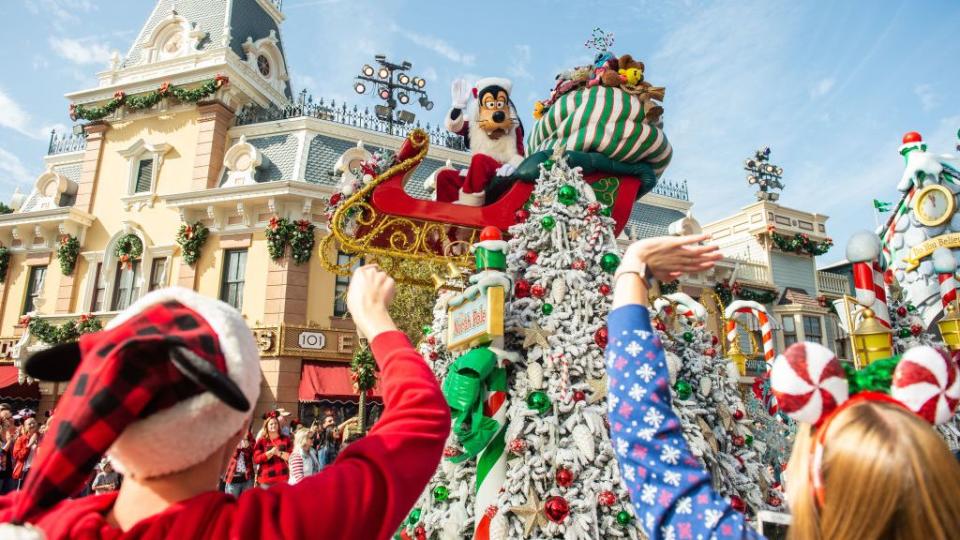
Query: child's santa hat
x=172, y=361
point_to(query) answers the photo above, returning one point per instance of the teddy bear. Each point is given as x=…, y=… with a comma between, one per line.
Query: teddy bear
x=631, y=70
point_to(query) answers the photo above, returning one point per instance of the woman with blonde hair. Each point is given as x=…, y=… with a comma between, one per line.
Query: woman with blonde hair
x=865, y=468
x=271, y=453
x=304, y=461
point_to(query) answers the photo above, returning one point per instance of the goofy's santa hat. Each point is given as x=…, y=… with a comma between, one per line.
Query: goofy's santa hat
x=173, y=360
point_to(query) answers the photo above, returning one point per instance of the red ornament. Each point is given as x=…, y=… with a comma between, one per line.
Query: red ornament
x=450, y=451
x=434, y=355
x=420, y=533
x=711, y=352
x=431, y=340
x=714, y=340
x=658, y=325
x=738, y=414
x=738, y=504
x=490, y=233
x=600, y=337
x=517, y=446
x=522, y=215
x=578, y=395
x=916, y=329
x=902, y=311
x=607, y=498
x=579, y=264
x=531, y=256
x=538, y=291
x=335, y=198
x=564, y=477
x=593, y=207
x=604, y=289
x=738, y=440
x=521, y=289
x=774, y=501
x=912, y=137
x=556, y=509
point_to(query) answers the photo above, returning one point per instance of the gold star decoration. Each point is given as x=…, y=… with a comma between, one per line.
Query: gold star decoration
x=530, y=512
x=535, y=335
x=598, y=389
x=573, y=234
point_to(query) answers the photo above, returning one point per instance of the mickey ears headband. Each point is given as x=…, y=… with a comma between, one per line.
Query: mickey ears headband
x=810, y=383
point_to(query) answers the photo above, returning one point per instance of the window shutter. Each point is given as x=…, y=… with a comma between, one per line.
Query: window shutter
x=144, y=176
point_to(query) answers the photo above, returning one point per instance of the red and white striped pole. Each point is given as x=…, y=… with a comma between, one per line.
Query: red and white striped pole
x=863, y=251
x=945, y=265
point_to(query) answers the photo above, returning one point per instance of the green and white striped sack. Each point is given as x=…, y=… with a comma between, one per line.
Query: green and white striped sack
x=605, y=120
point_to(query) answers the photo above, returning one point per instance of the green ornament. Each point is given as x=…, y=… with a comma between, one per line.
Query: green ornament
x=624, y=518
x=688, y=336
x=427, y=330
x=749, y=439
x=606, y=211
x=414, y=516
x=905, y=333
x=609, y=262
x=548, y=222
x=683, y=388
x=547, y=309
x=527, y=205
x=441, y=493
x=548, y=164
x=567, y=195
x=911, y=308
x=538, y=401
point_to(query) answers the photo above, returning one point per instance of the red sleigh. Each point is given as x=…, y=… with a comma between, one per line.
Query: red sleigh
x=382, y=221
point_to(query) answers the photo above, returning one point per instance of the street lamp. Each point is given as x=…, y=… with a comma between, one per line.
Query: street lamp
x=392, y=84
x=764, y=174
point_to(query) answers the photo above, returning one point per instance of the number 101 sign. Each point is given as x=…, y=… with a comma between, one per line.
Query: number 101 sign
x=475, y=318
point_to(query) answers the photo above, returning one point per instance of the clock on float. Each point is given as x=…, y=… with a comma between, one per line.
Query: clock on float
x=934, y=205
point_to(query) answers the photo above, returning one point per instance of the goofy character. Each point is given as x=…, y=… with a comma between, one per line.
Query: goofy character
x=493, y=133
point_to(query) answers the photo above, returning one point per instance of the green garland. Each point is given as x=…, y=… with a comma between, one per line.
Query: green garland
x=302, y=240
x=669, y=287
x=727, y=293
x=65, y=333
x=67, y=253
x=190, y=238
x=129, y=248
x=363, y=370
x=800, y=243
x=278, y=234
x=4, y=262
x=145, y=101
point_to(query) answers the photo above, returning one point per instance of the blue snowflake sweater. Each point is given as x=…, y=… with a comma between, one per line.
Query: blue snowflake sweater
x=671, y=491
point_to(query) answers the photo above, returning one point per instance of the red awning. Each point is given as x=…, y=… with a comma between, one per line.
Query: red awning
x=320, y=380
x=11, y=389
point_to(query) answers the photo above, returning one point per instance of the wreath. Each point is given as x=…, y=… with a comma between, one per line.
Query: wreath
x=4, y=262
x=278, y=233
x=302, y=240
x=728, y=292
x=799, y=243
x=363, y=370
x=190, y=238
x=67, y=253
x=129, y=248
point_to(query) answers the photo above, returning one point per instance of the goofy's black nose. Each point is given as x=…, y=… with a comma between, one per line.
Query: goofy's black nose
x=499, y=116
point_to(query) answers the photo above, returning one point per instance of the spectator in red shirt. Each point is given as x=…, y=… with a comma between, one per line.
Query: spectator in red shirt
x=271, y=454
x=8, y=437
x=239, y=475
x=25, y=449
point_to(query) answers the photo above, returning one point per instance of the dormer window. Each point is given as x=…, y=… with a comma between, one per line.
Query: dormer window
x=146, y=161
x=144, y=181
x=173, y=37
x=265, y=58
x=263, y=65
x=172, y=46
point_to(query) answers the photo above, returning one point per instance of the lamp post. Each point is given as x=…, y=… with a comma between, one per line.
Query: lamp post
x=394, y=86
x=950, y=327
x=764, y=174
x=871, y=340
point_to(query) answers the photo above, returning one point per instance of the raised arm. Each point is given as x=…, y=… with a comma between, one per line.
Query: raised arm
x=375, y=481
x=671, y=492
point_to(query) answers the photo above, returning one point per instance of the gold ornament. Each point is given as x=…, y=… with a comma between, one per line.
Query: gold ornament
x=598, y=389
x=530, y=512
x=535, y=335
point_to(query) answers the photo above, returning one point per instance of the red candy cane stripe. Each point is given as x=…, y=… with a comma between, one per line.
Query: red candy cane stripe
x=880, y=306
x=948, y=288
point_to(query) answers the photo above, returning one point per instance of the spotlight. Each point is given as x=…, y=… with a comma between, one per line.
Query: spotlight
x=384, y=73
x=406, y=117
x=367, y=70
x=404, y=78
x=425, y=103
x=383, y=113
x=404, y=98
x=360, y=88
x=421, y=83
x=384, y=93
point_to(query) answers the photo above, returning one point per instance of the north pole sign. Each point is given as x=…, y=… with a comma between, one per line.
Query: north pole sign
x=475, y=317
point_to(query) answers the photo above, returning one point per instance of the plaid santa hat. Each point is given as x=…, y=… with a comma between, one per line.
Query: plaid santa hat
x=172, y=361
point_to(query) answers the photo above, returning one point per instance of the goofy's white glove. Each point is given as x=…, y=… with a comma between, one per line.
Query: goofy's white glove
x=460, y=92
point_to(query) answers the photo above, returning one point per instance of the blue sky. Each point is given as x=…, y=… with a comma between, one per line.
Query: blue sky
x=830, y=86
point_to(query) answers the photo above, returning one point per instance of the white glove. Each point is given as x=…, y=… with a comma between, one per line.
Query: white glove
x=460, y=93
x=506, y=170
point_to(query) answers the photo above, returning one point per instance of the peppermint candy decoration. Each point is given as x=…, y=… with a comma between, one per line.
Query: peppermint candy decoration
x=808, y=382
x=926, y=381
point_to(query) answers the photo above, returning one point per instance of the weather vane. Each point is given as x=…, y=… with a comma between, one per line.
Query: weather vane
x=599, y=40
x=765, y=174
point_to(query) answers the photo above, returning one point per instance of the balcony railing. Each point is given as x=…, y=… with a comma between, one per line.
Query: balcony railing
x=830, y=283
x=675, y=189
x=62, y=143
x=751, y=271
x=344, y=114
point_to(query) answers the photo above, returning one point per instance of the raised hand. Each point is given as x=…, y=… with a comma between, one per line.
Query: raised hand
x=460, y=92
x=670, y=257
x=370, y=294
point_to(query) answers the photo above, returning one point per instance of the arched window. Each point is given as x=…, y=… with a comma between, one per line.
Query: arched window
x=115, y=284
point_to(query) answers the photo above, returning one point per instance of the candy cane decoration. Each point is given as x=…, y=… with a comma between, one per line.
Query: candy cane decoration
x=863, y=250
x=492, y=461
x=880, y=288
x=758, y=311
x=946, y=266
x=692, y=309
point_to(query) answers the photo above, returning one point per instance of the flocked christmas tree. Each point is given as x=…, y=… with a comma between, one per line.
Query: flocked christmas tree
x=714, y=418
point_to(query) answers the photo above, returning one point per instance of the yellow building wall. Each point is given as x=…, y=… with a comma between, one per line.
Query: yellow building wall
x=320, y=289
x=15, y=287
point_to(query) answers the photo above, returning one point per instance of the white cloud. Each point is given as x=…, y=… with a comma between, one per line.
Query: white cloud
x=520, y=62
x=86, y=51
x=822, y=87
x=438, y=46
x=12, y=171
x=60, y=10
x=929, y=99
x=12, y=116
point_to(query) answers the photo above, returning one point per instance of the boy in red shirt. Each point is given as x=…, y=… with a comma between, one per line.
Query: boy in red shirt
x=176, y=360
